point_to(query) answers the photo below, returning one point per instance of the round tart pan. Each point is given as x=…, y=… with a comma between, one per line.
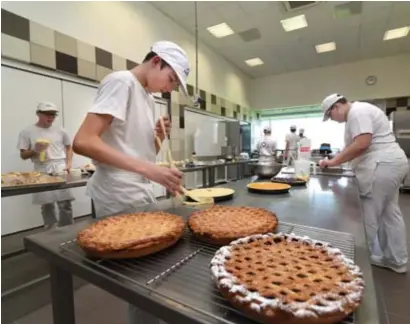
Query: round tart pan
x=268, y=188
x=292, y=183
x=218, y=194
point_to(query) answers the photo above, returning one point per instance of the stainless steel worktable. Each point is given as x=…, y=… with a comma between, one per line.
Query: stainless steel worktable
x=328, y=202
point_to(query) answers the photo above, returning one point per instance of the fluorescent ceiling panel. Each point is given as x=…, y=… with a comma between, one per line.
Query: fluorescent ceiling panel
x=294, y=23
x=326, y=47
x=396, y=33
x=220, y=30
x=254, y=62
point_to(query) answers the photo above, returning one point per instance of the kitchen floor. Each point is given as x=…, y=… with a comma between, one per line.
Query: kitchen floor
x=31, y=305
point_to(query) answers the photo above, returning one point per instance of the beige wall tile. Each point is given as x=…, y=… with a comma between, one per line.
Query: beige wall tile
x=87, y=69
x=102, y=72
x=42, y=35
x=174, y=109
x=65, y=44
x=85, y=51
x=119, y=63
x=15, y=48
x=43, y=56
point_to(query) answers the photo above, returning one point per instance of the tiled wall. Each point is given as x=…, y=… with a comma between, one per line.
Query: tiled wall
x=30, y=42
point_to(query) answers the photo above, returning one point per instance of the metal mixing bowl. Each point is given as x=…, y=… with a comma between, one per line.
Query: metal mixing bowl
x=266, y=169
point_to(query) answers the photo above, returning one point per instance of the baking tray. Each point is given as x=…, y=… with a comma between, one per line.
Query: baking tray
x=31, y=186
x=181, y=273
x=298, y=183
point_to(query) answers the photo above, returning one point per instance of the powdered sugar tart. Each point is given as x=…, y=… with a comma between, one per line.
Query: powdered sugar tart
x=221, y=225
x=131, y=235
x=280, y=278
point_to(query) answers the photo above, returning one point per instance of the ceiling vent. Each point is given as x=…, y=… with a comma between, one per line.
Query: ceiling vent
x=298, y=5
x=250, y=35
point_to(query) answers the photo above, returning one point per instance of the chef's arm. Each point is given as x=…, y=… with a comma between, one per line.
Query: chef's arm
x=359, y=145
x=27, y=154
x=287, y=148
x=88, y=142
x=69, y=155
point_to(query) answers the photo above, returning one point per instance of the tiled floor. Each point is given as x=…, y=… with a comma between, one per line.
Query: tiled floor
x=94, y=305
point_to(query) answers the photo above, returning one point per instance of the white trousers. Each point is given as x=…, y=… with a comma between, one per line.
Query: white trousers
x=384, y=224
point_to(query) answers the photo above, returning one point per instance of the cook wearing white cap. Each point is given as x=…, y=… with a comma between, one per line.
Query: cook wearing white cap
x=380, y=166
x=267, y=146
x=49, y=148
x=292, y=140
x=119, y=133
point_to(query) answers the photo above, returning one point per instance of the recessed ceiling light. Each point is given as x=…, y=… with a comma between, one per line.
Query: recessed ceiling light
x=396, y=33
x=254, y=62
x=294, y=23
x=326, y=47
x=220, y=30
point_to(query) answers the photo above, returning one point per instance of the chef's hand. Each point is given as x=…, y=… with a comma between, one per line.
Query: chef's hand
x=325, y=163
x=158, y=128
x=170, y=178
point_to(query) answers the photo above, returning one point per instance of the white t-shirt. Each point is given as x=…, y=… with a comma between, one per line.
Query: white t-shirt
x=57, y=136
x=365, y=118
x=132, y=133
x=267, y=146
x=293, y=140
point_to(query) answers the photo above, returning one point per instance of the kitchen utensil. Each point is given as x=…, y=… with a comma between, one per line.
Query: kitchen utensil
x=266, y=169
x=302, y=168
x=172, y=164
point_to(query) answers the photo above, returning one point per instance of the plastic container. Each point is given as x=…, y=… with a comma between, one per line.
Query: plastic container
x=302, y=168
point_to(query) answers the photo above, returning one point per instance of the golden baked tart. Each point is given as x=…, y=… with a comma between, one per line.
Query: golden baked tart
x=131, y=235
x=279, y=278
x=221, y=225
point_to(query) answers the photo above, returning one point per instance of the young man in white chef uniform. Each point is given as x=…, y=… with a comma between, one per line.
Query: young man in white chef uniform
x=292, y=140
x=380, y=166
x=119, y=133
x=57, y=157
x=267, y=146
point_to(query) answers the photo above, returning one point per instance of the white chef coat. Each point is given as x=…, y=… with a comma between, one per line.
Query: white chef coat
x=55, y=161
x=132, y=133
x=293, y=140
x=267, y=148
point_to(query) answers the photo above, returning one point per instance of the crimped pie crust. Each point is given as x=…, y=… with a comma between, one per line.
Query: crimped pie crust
x=221, y=225
x=280, y=278
x=131, y=235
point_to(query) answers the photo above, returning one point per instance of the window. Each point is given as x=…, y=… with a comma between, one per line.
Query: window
x=315, y=129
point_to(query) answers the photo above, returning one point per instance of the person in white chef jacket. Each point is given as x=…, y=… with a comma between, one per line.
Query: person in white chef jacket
x=267, y=146
x=57, y=157
x=380, y=166
x=119, y=132
x=292, y=140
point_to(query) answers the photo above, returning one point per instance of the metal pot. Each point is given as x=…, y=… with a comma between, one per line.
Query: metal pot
x=266, y=169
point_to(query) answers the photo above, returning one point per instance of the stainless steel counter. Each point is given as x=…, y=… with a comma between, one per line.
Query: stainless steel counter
x=73, y=182
x=327, y=202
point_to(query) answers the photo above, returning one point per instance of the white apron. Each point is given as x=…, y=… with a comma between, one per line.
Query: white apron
x=48, y=197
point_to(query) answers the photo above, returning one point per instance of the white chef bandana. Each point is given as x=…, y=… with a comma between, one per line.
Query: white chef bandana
x=176, y=57
x=46, y=106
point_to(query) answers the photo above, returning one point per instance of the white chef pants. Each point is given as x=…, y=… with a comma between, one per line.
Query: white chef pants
x=384, y=225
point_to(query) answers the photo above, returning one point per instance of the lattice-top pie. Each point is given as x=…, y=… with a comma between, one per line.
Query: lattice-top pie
x=222, y=224
x=131, y=235
x=279, y=278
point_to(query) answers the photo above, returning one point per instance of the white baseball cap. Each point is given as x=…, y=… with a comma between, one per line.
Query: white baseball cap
x=46, y=106
x=267, y=129
x=328, y=102
x=176, y=57
x=293, y=127
x=301, y=130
